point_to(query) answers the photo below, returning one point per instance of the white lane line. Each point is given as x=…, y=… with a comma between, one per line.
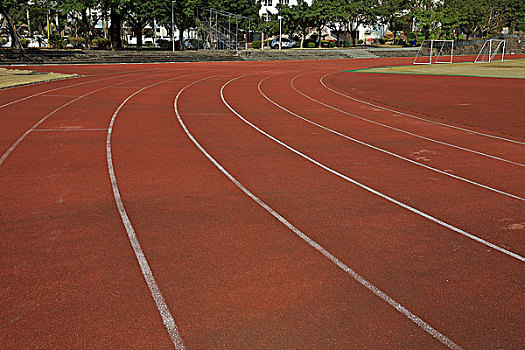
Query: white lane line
x=56, y=95
x=400, y=308
x=418, y=118
x=72, y=85
x=156, y=294
x=383, y=150
x=63, y=130
x=208, y=114
x=403, y=131
x=35, y=126
x=369, y=189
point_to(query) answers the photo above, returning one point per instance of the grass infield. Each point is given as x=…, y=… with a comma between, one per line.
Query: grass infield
x=15, y=77
x=507, y=69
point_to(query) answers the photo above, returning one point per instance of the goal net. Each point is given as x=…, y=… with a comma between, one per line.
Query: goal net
x=491, y=49
x=435, y=51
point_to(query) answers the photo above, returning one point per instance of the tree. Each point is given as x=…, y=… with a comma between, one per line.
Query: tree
x=427, y=16
x=338, y=16
x=360, y=12
x=117, y=10
x=139, y=14
x=295, y=20
x=81, y=6
x=319, y=14
x=514, y=14
x=476, y=16
x=6, y=9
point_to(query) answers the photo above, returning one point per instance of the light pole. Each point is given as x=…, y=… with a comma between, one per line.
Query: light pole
x=173, y=24
x=280, y=18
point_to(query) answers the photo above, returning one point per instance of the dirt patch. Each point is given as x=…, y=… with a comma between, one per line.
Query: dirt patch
x=507, y=69
x=16, y=77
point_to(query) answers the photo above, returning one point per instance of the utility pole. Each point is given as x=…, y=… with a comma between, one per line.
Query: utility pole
x=280, y=18
x=173, y=24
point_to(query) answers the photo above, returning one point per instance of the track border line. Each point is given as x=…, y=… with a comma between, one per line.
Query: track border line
x=160, y=302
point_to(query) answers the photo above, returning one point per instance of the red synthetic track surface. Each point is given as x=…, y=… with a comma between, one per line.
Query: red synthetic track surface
x=441, y=239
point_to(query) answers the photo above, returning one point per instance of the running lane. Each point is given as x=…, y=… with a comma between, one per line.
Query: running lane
x=70, y=279
x=358, y=125
x=312, y=86
x=490, y=104
x=488, y=215
x=429, y=266
x=231, y=274
x=18, y=94
x=242, y=279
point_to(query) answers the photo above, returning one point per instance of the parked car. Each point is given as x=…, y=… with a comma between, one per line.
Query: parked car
x=193, y=44
x=285, y=43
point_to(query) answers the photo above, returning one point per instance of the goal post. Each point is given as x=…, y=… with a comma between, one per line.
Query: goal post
x=490, y=49
x=435, y=51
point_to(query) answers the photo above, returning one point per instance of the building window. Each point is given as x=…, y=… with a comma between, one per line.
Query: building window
x=267, y=17
x=267, y=2
x=284, y=2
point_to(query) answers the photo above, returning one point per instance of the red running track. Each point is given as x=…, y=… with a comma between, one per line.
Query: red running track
x=249, y=206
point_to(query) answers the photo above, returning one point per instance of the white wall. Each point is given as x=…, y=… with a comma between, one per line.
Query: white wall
x=272, y=8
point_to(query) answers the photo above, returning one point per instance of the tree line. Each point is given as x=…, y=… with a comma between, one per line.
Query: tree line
x=445, y=19
x=427, y=18
x=78, y=18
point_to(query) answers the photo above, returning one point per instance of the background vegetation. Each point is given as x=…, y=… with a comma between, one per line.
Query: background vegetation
x=416, y=18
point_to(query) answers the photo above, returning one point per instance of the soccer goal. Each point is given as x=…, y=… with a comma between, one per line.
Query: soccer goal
x=490, y=49
x=435, y=51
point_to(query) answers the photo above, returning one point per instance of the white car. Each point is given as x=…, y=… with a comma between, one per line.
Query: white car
x=285, y=43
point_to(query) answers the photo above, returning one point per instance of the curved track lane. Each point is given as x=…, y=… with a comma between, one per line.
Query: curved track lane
x=243, y=153
x=379, y=149
x=477, y=92
x=449, y=137
x=70, y=278
x=244, y=244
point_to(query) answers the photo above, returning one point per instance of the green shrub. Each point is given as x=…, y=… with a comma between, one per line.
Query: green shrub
x=360, y=41
x=24, y=42
x=257, y=44
x=77, y=43
x=311, y=45
x=3, y=41
x=101, y=43
x=165, y=44
x=381, y=41
x=349, y=44
x=56, y=41
x=331, y=44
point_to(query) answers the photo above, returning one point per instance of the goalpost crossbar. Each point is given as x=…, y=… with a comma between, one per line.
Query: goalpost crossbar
x=431, y=51
x=490, y=49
